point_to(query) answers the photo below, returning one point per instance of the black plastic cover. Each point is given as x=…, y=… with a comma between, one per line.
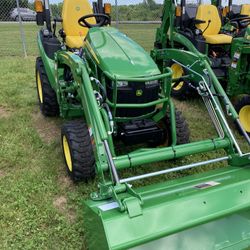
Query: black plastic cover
x=51, y=45
x=141, y=131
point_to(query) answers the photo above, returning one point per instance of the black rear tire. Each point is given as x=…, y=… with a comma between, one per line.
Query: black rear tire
x=183, y=93
x=180, y=90
x=81, y=164
x=46, y=94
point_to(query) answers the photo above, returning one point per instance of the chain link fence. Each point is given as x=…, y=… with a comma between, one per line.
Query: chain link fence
x=9, y=11
x=18, y=28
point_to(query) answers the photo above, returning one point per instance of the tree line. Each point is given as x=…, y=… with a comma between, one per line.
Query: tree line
x=148, y=10
x=145, y=11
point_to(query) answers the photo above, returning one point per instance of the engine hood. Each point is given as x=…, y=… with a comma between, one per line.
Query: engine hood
x=117, y=54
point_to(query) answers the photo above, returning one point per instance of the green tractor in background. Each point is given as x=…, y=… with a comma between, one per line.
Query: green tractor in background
x=235, y=15
x=217, y=34
x=111, y=91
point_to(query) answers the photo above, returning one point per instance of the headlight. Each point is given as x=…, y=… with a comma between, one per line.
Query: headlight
x=122, y=84
x=151, y=82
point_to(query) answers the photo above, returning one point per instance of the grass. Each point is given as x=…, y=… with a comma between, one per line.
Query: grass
x=40, y=208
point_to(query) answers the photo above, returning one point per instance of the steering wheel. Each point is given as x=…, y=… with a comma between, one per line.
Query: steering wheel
x=101, y=19
x=241, y=21
x=244, y=23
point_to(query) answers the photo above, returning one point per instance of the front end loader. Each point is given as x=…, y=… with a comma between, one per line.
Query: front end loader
x=109, y=91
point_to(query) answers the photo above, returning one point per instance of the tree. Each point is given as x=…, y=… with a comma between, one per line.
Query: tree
x=151, y=4
x=56, y=9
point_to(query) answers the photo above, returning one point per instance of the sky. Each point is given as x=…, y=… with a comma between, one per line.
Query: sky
x=122, y=2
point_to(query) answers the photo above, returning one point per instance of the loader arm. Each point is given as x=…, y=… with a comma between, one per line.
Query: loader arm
x=162, y=34
x=184, y=206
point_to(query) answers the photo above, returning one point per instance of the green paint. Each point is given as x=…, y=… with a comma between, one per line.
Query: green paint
x=174, y=207
x=119, y=55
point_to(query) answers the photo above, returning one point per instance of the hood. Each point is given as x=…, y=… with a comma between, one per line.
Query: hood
x=117, y=54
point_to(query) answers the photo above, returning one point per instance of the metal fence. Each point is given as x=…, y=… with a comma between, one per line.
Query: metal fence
x=14, y=33
x=10, y=10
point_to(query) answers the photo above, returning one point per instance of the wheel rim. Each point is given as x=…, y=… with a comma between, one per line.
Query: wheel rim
x=39, y=87
x=244, y=116
x=67, y=154
x=177, y=73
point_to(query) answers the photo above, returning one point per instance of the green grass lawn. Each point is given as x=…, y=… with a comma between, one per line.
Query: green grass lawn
x=40, y=208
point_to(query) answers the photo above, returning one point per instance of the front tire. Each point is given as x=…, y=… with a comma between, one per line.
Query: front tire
x=46, y=94
x=182, y=129
x=78, y=151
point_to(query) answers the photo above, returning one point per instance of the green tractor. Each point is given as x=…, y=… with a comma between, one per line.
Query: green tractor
x=111, y=91
x=235, y=15
x=224, y=42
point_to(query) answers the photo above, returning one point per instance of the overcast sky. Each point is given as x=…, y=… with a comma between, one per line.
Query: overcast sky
x=122, y=2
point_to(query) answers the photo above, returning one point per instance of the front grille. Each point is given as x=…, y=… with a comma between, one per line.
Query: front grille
x=135, y=92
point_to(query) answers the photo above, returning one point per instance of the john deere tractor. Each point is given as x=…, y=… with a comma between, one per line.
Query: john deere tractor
x=94, y=73
x=215, y=34
x=236, y=14
x=109, y=90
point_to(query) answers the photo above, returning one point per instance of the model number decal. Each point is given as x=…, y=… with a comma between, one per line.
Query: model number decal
x=207, y=185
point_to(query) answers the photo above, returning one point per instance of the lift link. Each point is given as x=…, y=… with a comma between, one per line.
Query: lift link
x=132, y=204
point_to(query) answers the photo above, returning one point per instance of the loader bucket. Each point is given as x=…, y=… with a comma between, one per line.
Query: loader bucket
x=205, y=211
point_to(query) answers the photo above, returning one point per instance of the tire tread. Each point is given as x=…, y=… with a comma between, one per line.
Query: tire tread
x=49, y=107
x=81, y=149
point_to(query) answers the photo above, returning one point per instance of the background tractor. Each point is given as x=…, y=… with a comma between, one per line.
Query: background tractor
x=236, y=13
x=223, y=42
x=110, y=90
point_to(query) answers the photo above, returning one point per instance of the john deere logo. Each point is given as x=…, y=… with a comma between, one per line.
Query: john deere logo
x=139, y=92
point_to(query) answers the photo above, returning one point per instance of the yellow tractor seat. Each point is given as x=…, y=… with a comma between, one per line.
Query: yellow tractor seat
x=218, y=39
x=212, y=25
x=72, y=11
x=245, y=9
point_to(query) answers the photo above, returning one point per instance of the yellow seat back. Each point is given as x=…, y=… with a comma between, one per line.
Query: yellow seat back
x=206, y=12
x=245, y=9
x=72, y=11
